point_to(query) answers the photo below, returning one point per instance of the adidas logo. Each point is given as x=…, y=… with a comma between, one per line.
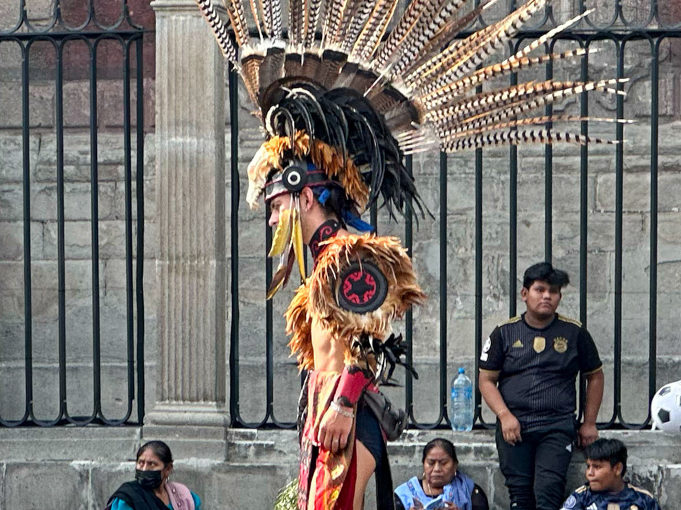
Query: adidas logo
x=517, y=343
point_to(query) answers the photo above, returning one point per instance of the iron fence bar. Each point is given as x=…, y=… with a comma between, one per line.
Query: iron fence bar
x=548, y=176
x=652, y=292
x=33, y=29
x=409, y=329
x=443, y=289
x=512, y=216
x=94, y=232
x=583, y=217
x=478, y=256
x=269, y=338
x=409, y=318
x=442, y=418
x=408, y=326
x=235, y=418
x=139, y=279
x=61, y=255
x=57, y=36
x=619, y=185
x=28, y=306
x=20, y=19
x=78, y=28
x=269, y=323
x=652, y=9
x=123, y=16
x=129, y=279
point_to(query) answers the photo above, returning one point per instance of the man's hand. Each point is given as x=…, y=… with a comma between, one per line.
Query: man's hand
x=588, y=433
x=335, y=429
x=510, y=428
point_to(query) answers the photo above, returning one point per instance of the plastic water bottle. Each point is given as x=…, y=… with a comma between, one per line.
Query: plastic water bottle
x=461, y=408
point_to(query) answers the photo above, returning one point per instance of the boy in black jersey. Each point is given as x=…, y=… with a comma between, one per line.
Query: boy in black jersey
x=527, y=377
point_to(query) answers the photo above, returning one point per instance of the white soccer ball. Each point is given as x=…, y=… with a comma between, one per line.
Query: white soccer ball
x=665, y=408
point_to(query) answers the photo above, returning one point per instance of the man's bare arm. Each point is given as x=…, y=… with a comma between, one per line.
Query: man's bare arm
x=510, y=426
x=588, y=432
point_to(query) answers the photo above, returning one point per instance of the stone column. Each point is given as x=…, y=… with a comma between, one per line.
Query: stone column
x=190, y=179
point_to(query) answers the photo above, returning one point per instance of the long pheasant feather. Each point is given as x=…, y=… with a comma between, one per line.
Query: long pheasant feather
x=398, y=34
x=517, y=99
x=256, y=16
x=458, y=87
x=219, y=31
x=460, y=59
x=334, y=16
x=479, y=126
x=237, y=17
x=354, y=26
x=515, y=137
x=429, y=25
x=314, y=11
x=442, y=38
x=373, y=31
x=296, y=12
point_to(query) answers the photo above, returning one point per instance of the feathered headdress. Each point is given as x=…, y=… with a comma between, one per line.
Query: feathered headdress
x=342, y=99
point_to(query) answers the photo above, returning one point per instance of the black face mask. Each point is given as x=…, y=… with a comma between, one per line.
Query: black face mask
x=148, y=479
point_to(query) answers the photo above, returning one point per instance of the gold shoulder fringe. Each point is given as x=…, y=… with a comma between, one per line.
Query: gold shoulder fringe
x=298, y=326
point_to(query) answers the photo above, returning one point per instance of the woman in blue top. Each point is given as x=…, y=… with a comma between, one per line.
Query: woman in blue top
x=443, y=486
x=151, y=489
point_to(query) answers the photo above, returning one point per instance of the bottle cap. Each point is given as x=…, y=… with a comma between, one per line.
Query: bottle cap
x=461, y=370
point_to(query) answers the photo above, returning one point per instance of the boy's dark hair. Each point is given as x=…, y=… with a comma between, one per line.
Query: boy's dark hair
x=440, y=442
x=545, y=272
x=612, y=450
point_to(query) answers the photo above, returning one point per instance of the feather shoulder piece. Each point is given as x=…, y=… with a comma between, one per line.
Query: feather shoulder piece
x=298, y=327
x=361, y=283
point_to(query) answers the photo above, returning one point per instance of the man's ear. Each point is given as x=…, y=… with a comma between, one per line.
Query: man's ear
x=619, y=467
x=306, y=198
x=523, y=293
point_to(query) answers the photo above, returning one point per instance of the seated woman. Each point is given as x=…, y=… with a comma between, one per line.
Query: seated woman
x=151, y=489
x=442, y=485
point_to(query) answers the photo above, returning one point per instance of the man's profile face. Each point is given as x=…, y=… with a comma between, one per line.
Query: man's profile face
x=602, y=476
x=277, y=205
x=541, y=298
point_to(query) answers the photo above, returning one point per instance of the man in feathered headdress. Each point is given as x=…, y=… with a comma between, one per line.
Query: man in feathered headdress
x=327, y=156
x=341, y=101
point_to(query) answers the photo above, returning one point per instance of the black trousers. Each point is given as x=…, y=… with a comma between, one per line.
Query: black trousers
x=535, y=469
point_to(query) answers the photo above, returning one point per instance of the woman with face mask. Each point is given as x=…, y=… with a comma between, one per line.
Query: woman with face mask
x=151, y=489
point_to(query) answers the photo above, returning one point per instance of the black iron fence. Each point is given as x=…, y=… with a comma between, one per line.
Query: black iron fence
x=109, y=378
x=634, y=39
x=72, y=369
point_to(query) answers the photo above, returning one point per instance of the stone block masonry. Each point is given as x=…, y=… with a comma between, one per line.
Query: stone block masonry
x=79, y=468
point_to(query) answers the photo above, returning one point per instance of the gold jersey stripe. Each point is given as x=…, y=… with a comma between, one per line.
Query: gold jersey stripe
x=511, y=320
x=568, y=319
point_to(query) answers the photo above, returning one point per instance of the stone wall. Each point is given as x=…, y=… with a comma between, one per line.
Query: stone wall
x=85, y=464
x=80, y=468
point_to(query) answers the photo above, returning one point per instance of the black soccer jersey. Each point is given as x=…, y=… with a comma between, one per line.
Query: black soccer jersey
x=537, y=367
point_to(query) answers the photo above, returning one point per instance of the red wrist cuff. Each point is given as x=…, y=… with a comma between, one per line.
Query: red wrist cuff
x=350, y=386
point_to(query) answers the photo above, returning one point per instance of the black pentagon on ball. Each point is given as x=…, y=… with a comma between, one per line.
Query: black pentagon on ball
x=663, y=415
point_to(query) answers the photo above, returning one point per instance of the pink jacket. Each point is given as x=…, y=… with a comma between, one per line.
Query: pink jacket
x=180, y=496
